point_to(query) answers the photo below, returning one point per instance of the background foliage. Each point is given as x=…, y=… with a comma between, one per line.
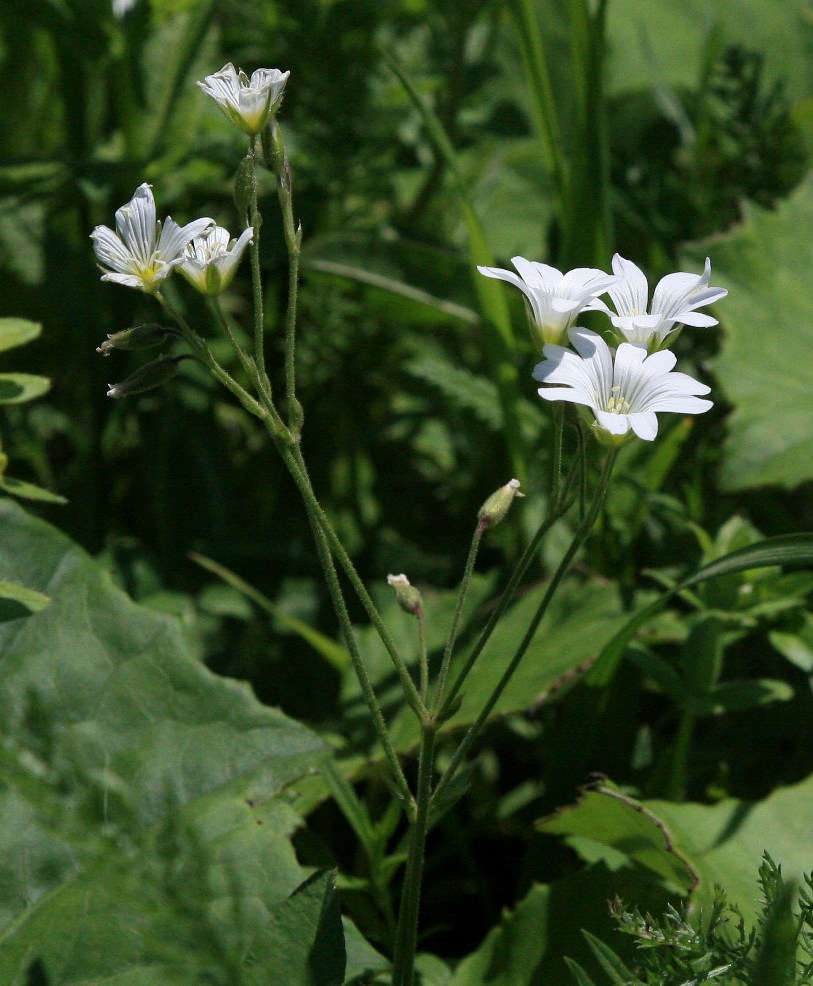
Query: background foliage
x=157, y=810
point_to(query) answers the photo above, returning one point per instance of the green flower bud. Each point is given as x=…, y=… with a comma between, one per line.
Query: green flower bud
x=273, y=148
x=146, y=336
x=409, y=599
x=147, y=377
x=496, y=506
x=245, y=185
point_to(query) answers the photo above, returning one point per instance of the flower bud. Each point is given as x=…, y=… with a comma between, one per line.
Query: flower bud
x=138, y=337
x=147, y=377
x=273, y=147
x=408, y=597
x=496, y=506
x=245, y=185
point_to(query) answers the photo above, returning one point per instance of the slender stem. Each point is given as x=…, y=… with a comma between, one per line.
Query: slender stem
x=205, y=354
x=293, y=241
x=337, y=598
x=245, y=360
x=458, y=611
x=407, y=935
x=557, y=511
x=292, y=456
x=580, y=536
x=256, y=277
x=558, y=443
x=423, y=655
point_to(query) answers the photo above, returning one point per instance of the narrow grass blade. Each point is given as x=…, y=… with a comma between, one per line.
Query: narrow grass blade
x=324, y=646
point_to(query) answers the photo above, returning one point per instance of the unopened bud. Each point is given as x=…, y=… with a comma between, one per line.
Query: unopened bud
x=245, y=185
x=409, y=599
x=138, y=337
x=496, y=506
x=273, y=147
x=147, y=377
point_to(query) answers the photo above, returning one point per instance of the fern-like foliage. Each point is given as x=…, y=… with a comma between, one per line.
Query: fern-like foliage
x=676, y=949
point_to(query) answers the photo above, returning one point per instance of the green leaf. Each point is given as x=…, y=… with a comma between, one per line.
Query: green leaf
x=324, y=646
x=765, y=265
x=581, y=977
x=16, y=600
x=738, y=696
x=304, y=942
x=28, y=491
x=16, y=388
x=608, y=960
x=721, y=843
x=609, y=818
x=17, y=331
x=582, y=616
x=142, y=791
x=786, y=550
x=794, y=648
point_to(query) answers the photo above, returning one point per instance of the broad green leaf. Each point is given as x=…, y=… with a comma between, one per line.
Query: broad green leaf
x=17, y=331
x=172, y=907
x=29, y=491
x=786, y=550
x=720, y=844
x=725, y=842
x=17, y=600
x=131, y=773
x=610, y=819
x=303, y=944
x=17, y=388
x=764, y=364
x=332, y=652
x=581, y=618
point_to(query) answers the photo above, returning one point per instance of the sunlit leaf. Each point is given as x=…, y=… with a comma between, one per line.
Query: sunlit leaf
x=16, y=600
x=17, y=388
x=17, y=332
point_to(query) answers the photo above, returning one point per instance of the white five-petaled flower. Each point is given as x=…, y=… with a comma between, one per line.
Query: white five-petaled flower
x=210, y=260
x=674, y=301
x=142, y=252
x=626, y=392
x=246, y=102
x=555, y=299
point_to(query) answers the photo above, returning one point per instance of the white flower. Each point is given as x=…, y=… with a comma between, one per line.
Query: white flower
x=675, y=300
x=624, y=393
x=210, y=260
x=555, y=299
x=140, y=254
x=123, y=7
x=246, y=102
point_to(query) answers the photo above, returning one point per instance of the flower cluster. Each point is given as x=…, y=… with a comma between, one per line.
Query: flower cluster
x=143, y=252
x=626, y=385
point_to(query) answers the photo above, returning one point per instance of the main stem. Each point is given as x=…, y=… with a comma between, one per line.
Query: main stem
x=406, y=939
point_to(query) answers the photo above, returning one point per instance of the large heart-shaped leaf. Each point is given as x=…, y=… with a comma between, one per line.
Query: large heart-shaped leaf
x=140, y=791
